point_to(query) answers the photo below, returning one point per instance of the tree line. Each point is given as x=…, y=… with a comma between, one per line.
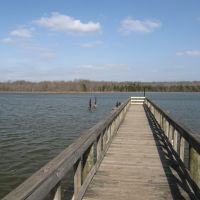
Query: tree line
x=98, y=86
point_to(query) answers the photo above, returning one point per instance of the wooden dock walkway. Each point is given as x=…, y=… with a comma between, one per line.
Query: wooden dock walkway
x=132, y=168
x=137, y=152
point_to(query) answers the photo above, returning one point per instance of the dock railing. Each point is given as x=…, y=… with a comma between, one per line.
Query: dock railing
x=83, y=156
x=137, y=100
x=183, y=141
x=86, y=153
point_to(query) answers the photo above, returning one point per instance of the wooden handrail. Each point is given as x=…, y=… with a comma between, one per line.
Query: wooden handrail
x=137, y=100
x=79, y=156
x=184, y=141
x=189, y=135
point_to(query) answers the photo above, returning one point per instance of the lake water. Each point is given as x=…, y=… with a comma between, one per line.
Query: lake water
x=34, y=128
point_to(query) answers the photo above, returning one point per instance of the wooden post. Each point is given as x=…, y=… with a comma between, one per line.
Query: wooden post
x=194, y=167
x=177, y=142
x=88, y=161
x=155, y=114
x=77, y=177
x=184, y=152
x=56, y=192
x=167, y=129
x=171, y=135
x=108, y=134
x=99, y=146
x=120, y=118
x=110, y=131
x=164, y=125
x=161, y=121
x=170, y=132
x=113, y=127
x=104, y=138
x=117, y=121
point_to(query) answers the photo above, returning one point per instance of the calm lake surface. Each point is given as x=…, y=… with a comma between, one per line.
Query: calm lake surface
x=34, y=128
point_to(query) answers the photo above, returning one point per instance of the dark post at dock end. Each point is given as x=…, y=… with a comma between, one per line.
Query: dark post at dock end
x=144, y=92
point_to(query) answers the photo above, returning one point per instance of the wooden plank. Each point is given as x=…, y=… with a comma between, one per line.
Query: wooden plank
x=132, y=168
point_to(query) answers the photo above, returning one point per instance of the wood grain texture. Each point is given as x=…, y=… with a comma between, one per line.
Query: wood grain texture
x=132, y=167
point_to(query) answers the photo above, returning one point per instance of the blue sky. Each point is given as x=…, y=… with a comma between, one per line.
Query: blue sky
x=129, y=40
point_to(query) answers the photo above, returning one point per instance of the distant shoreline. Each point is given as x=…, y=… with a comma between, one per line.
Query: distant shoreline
x=87, y=86
x=92, y=92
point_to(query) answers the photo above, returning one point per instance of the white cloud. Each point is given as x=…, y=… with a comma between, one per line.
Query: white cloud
x=188, y=53
x=103, y=67
x=48, y=55
x=91, y=44
x=129, y=25
x=22, y=33
x=44, y=53
x=6, y=41
x=87, y=66
x=107, y=71
x=64, y=23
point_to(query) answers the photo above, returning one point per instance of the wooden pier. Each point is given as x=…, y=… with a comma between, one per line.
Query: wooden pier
x=131, y=168
x=137, y=152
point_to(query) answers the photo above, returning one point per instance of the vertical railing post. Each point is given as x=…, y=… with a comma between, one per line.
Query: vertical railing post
x=161, y=121
x=171, y=134
x=109, y=133
x=164, y=124
x=118, y=121
x=194, y=165
x=77, y=177
x=113, y=126
x=56, y=192
x=88, y=161
x=167, y=129
x=105, y=137
x=99, y=146
x=184, y=152
x=177, y=142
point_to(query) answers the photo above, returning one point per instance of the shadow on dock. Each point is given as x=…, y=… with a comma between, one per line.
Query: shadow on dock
x=176, y=173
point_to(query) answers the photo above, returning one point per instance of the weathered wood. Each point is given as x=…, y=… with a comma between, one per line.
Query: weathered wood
x=132, y=163
x=99, y=146
x=56, y=192
x=39, y=185
x=77, y=177
x=177, y=139
x=171, y=134
x=192, y=138
x=85, y=184
x=137, y=100
x=186, y=145
x=131, y=168
x=88, y=162
x=184, y=152
x=194, y=167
